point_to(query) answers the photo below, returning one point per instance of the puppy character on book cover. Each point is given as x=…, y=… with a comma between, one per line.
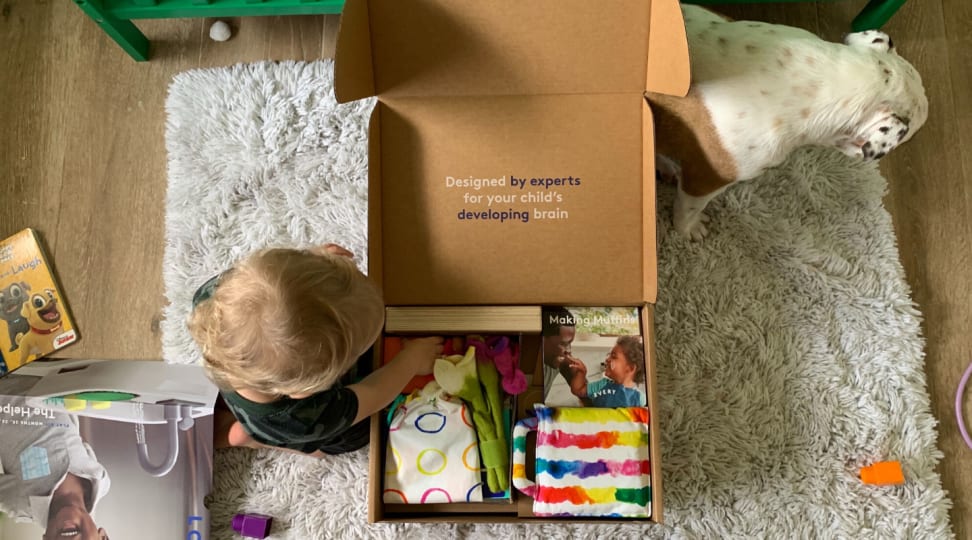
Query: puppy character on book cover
x=44, y=321
x=12, y=298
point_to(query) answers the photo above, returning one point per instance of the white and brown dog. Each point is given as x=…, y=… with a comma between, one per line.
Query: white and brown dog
x=761, y=90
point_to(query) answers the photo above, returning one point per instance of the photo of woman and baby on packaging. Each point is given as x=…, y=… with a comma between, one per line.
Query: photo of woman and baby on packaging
x=593, y=357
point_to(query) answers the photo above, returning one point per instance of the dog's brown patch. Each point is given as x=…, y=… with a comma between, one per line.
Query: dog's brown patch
x=777, y=123
x=723, y=42
x=764, y=92
x=690, y=136
x=805, y=113
x=787, y=53
x=811, y=60
x=751, y=49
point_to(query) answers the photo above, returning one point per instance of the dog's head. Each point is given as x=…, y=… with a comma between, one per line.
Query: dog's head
x=12, y=298
x=41, y=310
x=895, y=105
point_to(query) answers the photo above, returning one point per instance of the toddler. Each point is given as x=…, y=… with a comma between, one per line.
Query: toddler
x=285, y=334
x=624, y=370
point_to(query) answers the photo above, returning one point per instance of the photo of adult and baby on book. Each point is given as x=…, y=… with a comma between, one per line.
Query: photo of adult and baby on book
x=593, y=357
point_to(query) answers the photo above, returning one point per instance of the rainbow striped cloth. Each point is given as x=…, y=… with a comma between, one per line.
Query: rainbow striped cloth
x=589, y=461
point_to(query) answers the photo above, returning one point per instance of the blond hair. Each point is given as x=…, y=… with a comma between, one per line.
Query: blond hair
x=286, y=321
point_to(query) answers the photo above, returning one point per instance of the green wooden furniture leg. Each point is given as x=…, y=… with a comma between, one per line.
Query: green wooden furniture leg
x=125, y=34
x=113, y=16
x=875, y=14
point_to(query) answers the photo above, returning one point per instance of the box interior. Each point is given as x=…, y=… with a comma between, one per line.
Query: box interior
x=520, y=507
x=590, y=214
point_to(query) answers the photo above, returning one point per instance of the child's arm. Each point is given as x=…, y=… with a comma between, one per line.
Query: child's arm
x=378, y=389
x=575, y=372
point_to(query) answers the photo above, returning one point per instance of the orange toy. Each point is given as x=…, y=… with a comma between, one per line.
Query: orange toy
x=883, y=473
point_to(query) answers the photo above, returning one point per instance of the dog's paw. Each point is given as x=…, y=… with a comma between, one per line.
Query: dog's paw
x=667, y=169
x=688, y=214
x=692, y=227
x=873, y=39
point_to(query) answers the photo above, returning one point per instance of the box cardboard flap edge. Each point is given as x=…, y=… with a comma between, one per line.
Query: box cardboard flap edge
x=458, y=47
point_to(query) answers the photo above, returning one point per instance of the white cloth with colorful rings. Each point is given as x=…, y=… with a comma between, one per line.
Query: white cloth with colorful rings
x=432, y=454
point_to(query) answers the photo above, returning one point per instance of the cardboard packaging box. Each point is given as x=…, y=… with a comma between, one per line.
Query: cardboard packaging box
x=511, y=162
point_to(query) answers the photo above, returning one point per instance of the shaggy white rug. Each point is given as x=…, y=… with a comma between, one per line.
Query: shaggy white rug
x=789, y=352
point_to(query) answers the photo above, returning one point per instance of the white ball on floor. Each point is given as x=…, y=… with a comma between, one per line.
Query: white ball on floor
x=220, y=31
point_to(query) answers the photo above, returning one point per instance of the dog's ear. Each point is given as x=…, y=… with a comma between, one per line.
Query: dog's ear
x=872, y=39
x=851, y=146
x=876, y=136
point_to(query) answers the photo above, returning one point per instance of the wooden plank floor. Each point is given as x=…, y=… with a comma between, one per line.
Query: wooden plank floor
x=82, y=159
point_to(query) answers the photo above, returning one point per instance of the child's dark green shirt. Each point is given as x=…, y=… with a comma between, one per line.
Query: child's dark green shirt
x=318, y=422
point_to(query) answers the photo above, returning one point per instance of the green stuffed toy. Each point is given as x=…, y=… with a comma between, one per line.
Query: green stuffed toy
x=479, y=386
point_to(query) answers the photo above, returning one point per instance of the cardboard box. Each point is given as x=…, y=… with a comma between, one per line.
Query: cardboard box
x=511, y=161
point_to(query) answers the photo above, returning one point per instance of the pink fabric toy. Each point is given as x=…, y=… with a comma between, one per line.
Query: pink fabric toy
x=505, y=356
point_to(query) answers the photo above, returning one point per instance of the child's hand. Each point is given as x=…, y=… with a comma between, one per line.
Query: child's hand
x=570, y=366
x=578, y=367
x=333, y=249
x=577, y=379
x=421, y=353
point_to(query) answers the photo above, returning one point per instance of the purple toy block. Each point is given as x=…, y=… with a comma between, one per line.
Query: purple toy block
x=252, y=525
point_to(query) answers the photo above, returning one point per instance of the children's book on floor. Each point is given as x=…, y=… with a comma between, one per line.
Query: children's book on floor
x=593, y=357
x=89, y=445
x=34, y=312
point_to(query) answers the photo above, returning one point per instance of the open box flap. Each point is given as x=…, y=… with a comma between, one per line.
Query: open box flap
x=582, y=233
x=353, y=68
x=668, y=69
x=465, y=47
